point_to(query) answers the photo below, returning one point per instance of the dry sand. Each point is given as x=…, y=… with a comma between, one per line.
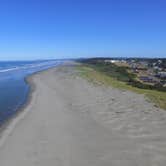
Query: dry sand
x=71, y=122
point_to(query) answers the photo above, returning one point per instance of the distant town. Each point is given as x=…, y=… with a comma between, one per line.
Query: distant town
x=140, y=72
x=149, y=71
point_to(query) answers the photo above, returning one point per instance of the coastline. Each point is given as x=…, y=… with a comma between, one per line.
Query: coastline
x=12, y=121
x=29, y=81
x=69, y=121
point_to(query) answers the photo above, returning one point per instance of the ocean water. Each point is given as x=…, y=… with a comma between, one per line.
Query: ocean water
x=13, y=88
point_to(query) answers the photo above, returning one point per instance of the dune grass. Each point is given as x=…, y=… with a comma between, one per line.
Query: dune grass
x=157, y=97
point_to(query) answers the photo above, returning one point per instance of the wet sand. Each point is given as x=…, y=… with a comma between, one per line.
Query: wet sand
x=71, y=122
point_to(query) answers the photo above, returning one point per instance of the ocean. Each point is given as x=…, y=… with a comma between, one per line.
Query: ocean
x=13, y=87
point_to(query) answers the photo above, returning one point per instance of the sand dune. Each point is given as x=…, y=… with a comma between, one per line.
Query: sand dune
x=71, y=122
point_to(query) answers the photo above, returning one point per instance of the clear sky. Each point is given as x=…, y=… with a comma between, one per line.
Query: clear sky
x=41, y=29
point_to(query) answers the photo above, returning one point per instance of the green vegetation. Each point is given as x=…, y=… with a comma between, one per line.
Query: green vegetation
x=121, y=73
x=118, y=72
x=103, y=77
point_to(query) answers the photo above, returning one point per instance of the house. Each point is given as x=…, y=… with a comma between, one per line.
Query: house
x=148, y=79
x=161, y=74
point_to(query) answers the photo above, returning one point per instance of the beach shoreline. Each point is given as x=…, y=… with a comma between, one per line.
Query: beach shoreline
x=70, y=121
x=10, y=123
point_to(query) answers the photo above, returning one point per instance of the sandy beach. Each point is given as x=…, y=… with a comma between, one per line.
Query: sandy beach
x=72, y=122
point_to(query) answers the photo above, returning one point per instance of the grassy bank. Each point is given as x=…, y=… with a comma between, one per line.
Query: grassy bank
x=95, y=76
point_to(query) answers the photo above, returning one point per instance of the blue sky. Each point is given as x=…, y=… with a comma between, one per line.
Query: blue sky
x=42, y=29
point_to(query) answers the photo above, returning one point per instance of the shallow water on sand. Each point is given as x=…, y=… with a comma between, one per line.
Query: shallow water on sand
x=13, y=88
